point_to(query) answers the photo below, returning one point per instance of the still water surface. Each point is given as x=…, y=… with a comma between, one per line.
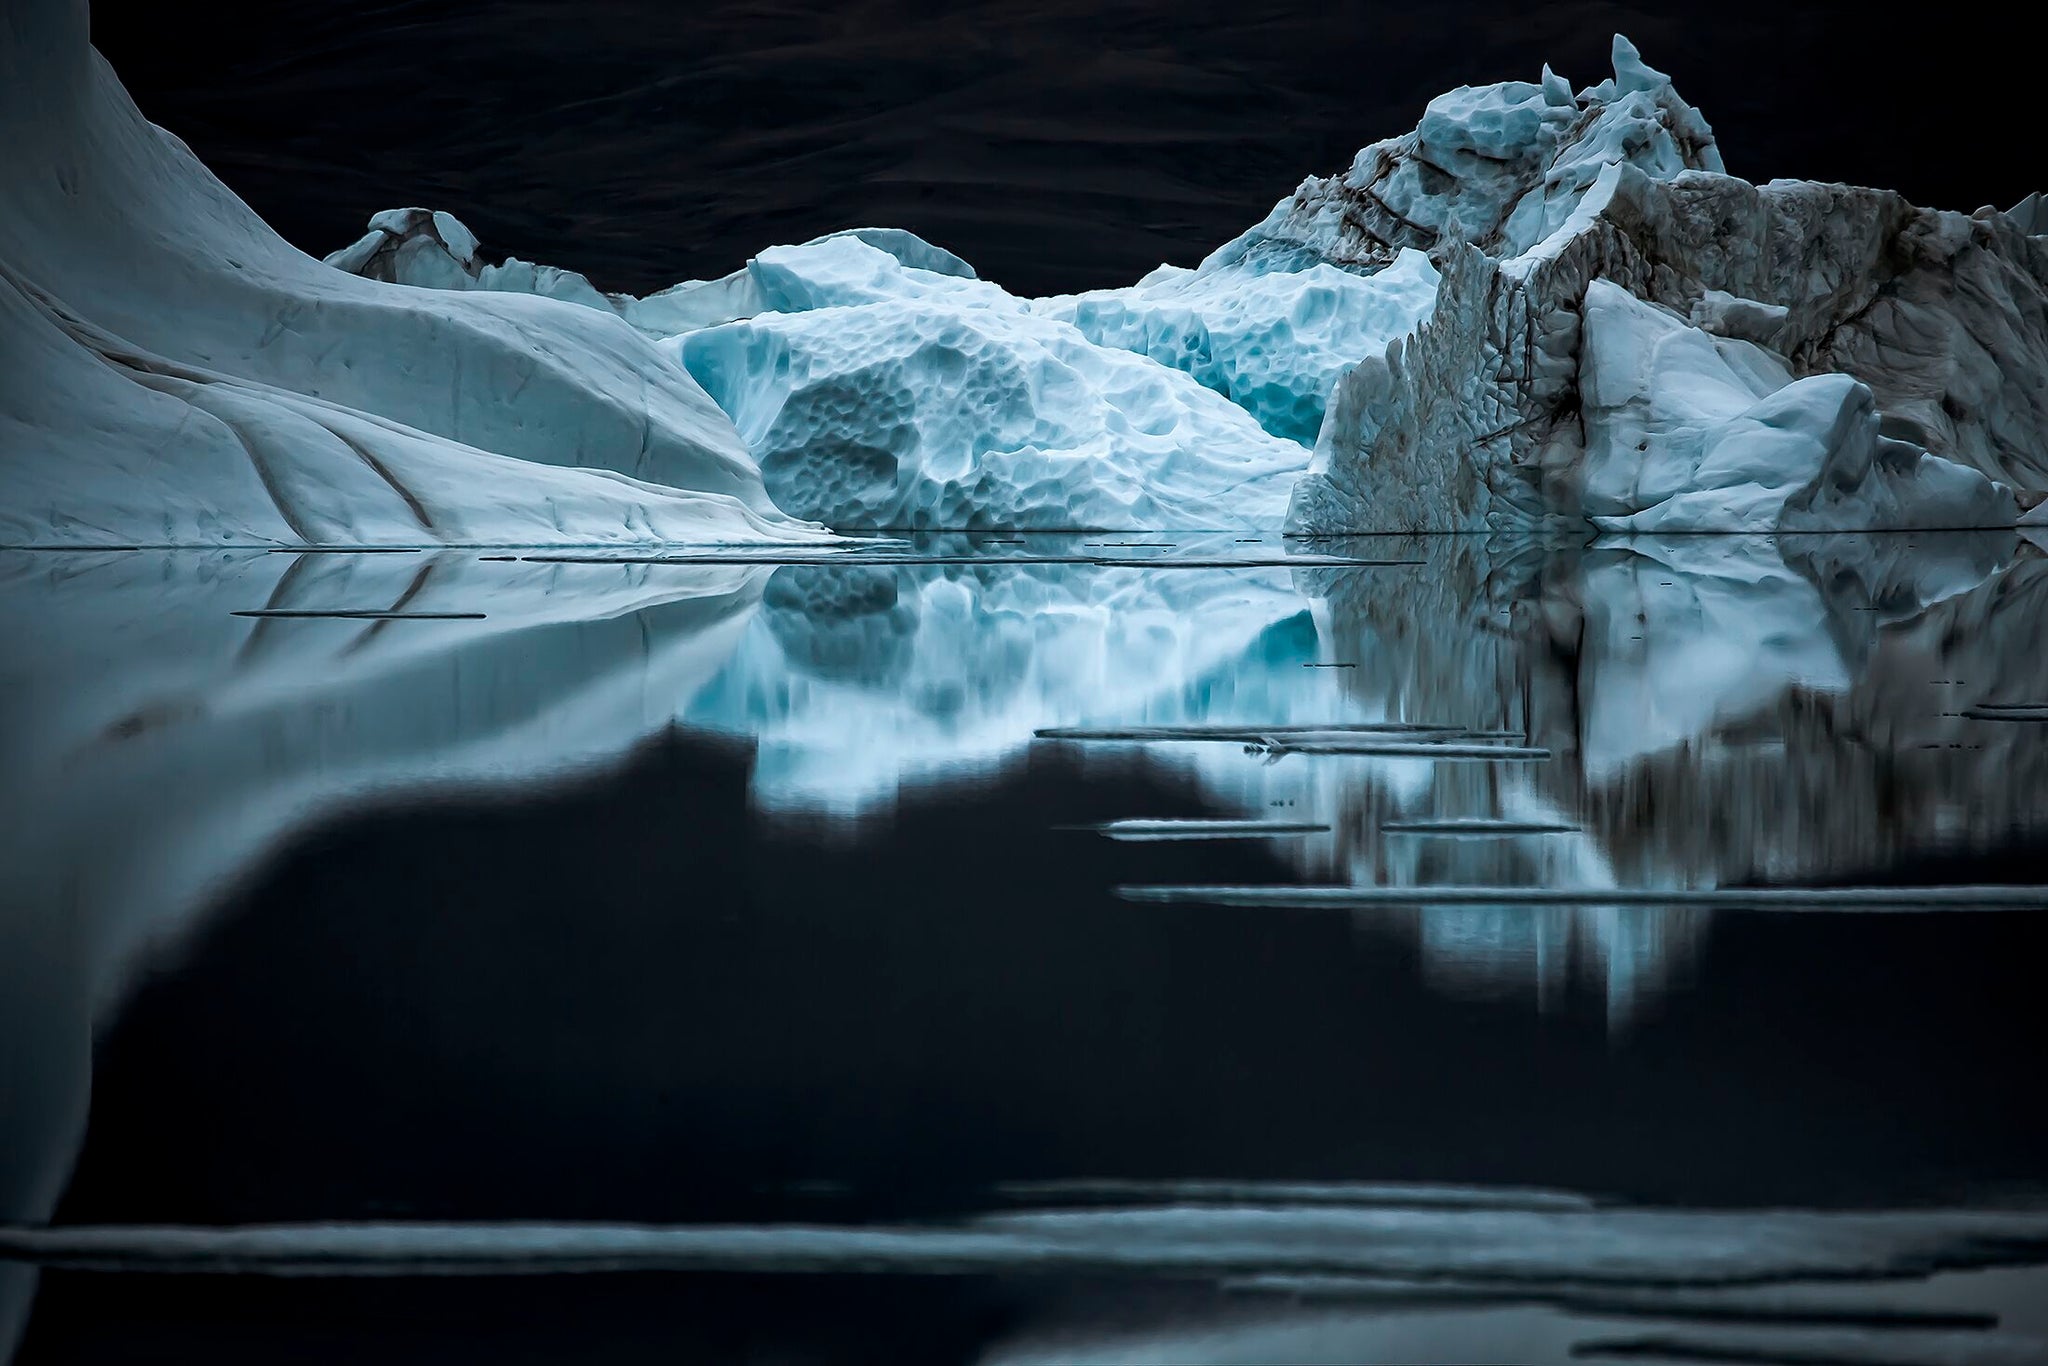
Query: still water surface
x=553, y=957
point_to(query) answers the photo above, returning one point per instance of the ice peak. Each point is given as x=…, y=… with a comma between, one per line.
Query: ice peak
x=1631, y=72
x=1499, y=166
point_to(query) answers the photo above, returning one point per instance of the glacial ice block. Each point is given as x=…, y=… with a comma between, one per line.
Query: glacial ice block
x=1480, y=418
x=1273, y=341
x=1500, y=166
x=1690, y=432
x=435, y=250
x=931, y=401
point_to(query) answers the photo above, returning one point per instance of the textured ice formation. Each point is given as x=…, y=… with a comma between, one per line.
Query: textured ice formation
x=178, y=374
x=1691, y=432
x=755, y=287
x=903, y=397
x=437, y=250
x=1605, y=325
x=1272, y=340
x=1429, y=320
x=1500, y=166
x=881, y=384
x=1479, y=418
x=2030, y=215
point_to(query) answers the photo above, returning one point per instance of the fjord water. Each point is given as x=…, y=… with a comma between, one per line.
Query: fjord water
x=576, y=956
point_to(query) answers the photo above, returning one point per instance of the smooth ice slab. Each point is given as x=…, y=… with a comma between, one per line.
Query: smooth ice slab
x=1687, y=431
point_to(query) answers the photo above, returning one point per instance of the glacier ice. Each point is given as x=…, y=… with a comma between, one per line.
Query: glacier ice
x=434, y=249
x=880, y=383
x=1272, y=340
x=437, y=250
x=1501, y=166
x=752, y=288
x=178, y=374
x=904, y=398
x=1686, y=431
x=1430, y=321
x=1478, y=418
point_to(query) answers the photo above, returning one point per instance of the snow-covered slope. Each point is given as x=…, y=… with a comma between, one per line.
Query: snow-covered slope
x=176, y=373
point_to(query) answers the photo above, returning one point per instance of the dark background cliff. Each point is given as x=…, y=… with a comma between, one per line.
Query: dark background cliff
x=1057, y=144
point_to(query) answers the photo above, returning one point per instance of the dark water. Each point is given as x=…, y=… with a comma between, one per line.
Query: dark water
x=709, y=961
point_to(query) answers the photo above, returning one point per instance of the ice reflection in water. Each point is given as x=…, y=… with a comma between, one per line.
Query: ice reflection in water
x=1713, y=713
x=1701, y=712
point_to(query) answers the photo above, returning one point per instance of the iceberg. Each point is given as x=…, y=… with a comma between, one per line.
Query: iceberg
x=1459, y=325
x=436, y=250
x=1686, y=431
x=881, y=384
x=756, y=287
x=1526, y=196
x=177, y=374
x=1272, y=340
x=1537, y=309
x=1499, y=166
x=897, y=397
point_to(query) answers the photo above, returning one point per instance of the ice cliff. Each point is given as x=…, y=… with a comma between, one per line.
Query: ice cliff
x=1495, y=411
x=175, y=373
